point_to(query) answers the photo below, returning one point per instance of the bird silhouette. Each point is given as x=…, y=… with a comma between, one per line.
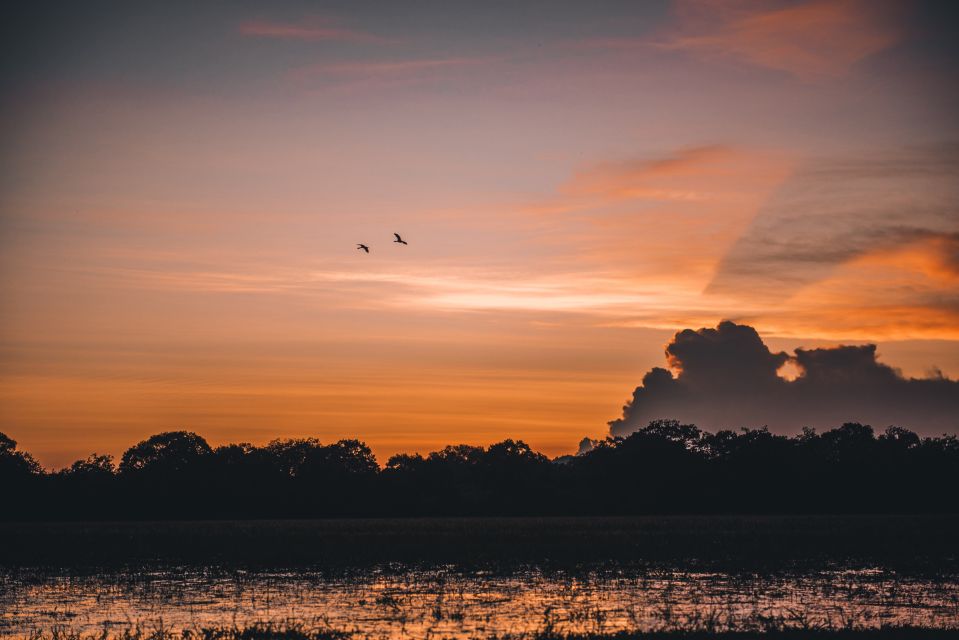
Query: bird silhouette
x=399, y=239
x=363, y=247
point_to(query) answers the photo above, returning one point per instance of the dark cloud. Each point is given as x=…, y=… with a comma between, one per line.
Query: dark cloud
x=727, y=378
x=585, y=446
x=835, y=210
x=703, y=357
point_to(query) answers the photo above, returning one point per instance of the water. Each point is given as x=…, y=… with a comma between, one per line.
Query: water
x=447, y=602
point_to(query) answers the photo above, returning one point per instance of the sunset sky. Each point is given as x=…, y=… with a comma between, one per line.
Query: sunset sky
x=182, y=187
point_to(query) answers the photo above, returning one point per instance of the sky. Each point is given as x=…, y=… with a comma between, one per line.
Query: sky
x=183, y=185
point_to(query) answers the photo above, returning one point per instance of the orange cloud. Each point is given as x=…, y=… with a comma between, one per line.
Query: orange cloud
x=934, y=256
x=661, y=228
x=638, y=178
x=687, y=175
x=314, y=29
x=681, y=211
x=809, y=40
x=891, y=293
x=834, y=211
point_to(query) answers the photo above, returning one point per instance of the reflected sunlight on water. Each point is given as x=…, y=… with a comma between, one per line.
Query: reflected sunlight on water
x=455, y=604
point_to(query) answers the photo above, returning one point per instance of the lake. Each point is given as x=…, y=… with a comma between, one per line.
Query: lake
x=449, y=602
x=480, y=577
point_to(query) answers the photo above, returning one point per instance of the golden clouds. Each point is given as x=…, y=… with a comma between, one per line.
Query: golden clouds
x=180, y=218
x=860, y=246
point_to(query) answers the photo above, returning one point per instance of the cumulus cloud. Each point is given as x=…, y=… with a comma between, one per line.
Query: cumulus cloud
x=727, y=377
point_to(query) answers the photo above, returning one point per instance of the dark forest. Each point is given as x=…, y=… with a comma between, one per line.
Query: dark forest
x=666, y=467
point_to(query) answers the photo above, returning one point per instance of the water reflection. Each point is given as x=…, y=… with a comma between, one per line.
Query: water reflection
x=454, y=604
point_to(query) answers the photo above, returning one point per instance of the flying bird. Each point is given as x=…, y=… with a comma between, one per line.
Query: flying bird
x=399, y=239
x=363, y=247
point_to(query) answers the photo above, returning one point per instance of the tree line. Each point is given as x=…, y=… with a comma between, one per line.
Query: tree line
x=666, y=467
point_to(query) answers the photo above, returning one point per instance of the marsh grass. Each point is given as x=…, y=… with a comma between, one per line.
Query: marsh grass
x=537, y=606
x=697, y=577
x=293, y=630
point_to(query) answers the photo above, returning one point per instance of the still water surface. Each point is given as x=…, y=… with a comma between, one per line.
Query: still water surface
x=451, y=603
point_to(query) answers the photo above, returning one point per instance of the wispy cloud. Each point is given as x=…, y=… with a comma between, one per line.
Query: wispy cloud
x=833, y=211
x=810, y=39
x=611, y=43
x=381, y=74
x=606, y=297
x=644, y=178
x=383, y=68
x=700, y=197
x=805, y=252
x=935, y=255
x=813, y=39
x=314, y=29
x=856, y=246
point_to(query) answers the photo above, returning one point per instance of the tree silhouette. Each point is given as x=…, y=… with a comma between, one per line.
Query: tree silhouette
x=20, y=478
x=93, y=466
x=665, y=467
x=167, y=452
x=15, y=465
